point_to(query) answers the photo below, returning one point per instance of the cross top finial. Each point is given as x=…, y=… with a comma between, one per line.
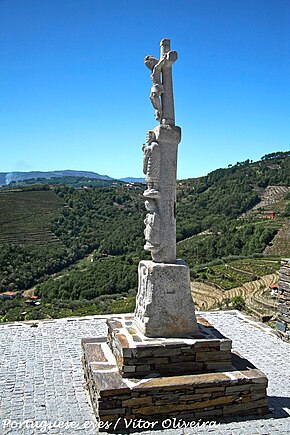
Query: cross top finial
x=165, y=43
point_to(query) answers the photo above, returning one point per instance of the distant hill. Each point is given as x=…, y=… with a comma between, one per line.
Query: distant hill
x=8, y=177
x=3, y=178
x=33, y=184
x=13, y=177
x=132, y=180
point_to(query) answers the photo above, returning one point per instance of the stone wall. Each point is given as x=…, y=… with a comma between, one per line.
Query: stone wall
x=283, y=309
x=196, y=397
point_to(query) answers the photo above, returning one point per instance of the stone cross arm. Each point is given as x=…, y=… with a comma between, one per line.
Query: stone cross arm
x=170, y=57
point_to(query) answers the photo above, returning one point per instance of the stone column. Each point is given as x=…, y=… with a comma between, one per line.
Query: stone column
x=168, y=138
x=164, y=306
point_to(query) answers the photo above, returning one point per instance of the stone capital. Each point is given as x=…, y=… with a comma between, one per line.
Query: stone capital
x=168, y=133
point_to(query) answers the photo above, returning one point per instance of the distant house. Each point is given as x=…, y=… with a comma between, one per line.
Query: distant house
x=274, y=286
x=30, y=302
x=270, y=215
x=8, y=295
x=274, y=289
x=135, y=185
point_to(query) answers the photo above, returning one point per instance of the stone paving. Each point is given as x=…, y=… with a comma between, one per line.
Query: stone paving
x=42, y=386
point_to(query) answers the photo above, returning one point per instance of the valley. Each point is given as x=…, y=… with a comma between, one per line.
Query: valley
x=79, y=247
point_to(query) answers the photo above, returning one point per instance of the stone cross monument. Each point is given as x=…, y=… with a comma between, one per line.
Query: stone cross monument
x=164, y=306
x=153, y=366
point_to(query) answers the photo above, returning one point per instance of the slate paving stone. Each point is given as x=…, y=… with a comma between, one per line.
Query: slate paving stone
x=43, y=366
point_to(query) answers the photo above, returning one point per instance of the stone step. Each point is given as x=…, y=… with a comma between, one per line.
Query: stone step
x=240, y=390
x=139, y=356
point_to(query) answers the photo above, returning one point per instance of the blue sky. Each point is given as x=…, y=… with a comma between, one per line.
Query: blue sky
x=74, y=90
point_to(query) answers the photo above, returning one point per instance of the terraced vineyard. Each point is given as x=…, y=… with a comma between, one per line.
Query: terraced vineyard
x=211, y=295
x=269, y=196
x=25, y=217
x=231, y=274
x=280, y=245
x=255, y=293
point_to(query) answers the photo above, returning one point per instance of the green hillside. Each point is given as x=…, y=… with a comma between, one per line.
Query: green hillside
x=44, y=231
x=29, y=249
x=26, y=217
x=55, y=231
x=209, y=211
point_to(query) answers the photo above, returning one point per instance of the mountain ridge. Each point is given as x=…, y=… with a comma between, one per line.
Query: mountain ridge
x=8, y=177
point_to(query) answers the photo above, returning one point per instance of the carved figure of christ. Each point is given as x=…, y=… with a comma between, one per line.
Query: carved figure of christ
x=161, y=95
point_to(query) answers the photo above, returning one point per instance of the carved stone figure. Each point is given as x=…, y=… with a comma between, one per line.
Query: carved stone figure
x=155, y=67
x=152, y=227
x=161, y=95
x=144, y=298
x=151, y=165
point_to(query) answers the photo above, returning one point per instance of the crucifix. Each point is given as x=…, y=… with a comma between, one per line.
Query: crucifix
x=161, y=95
x=164, y=306
x=160, y=160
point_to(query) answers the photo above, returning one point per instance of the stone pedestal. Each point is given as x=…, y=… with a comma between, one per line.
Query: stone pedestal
x=164, y=305
x=130, y=376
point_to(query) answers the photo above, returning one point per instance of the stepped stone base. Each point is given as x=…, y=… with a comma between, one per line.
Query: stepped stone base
x=238, y=388
x=138, y=356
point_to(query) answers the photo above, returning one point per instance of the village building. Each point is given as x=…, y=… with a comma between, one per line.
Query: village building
x=8, y=295
x=270, y=215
